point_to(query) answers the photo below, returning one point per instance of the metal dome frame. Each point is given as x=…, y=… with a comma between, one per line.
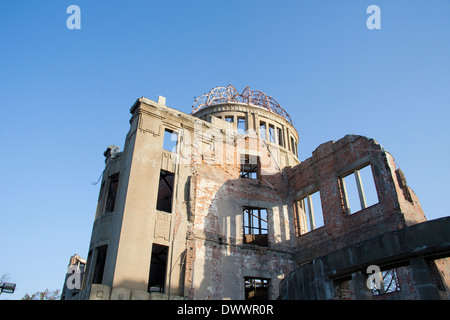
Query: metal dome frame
x=220, y=95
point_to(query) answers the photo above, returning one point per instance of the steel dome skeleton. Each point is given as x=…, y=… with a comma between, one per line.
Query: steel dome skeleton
x=220, y=95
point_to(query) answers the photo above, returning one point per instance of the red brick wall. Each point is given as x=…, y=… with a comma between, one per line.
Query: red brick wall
x=329, y=162
x=216, y=186
x=221, y=194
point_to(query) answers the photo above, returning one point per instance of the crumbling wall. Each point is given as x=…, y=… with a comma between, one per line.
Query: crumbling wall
x=412, y=251
x=204, y=230
x=323, y=171
x=218, y=258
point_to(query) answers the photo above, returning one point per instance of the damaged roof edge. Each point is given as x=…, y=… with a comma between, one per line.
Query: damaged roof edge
x=330, y=146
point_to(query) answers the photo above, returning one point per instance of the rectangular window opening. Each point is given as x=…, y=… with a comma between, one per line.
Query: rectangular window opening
x=367, y=180
x=309, y=213
x=158, y=268
x=170, y=140
x=256, y=288
x=165, y=191
x=388, y=283
x=241, y=125
x=271, y=133
x=293, y=146
x=280, y=136
x=100, y=264
x=256, y=226
x=229, y=119
x=249, y=166
x=112, y=193
x=262, y=130
x=358, y=190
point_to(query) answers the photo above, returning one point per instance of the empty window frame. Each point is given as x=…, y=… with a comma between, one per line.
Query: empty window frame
x=309, y=213
x=229, y=119
x=170, y=140
x=158, y=268
x=100, y=264
x=271, y=133
x=262, y=130
x=388, y=283
x=249, y=166
x=112, y=193
x=255, y=226
x=165, y=191
x=256, y=288
x=358, y=190
x=280, y=136
x=293, y=146
x=241, y=125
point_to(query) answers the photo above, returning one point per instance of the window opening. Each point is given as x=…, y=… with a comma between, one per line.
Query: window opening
x=255, y=226
x=165, y=191
x=249, y=166
x=359, y=191
x=100, y=264
x=241, y=125
x=389, y=283
x=112, y=193
x=262, y=130
x=256, y=288
x=280, y=136
x=170, y=140
x=370, y=192
x=271, y=133
x=158, y=268
x=309, y=208
x=293, y=146
x=229, y=119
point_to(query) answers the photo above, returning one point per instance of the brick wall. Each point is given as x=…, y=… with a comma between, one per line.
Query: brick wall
x=216, y=234
x=329, y=162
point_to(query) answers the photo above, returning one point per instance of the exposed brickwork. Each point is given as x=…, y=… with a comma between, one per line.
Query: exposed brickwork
x=204, y=232
x=217, y=228
x=329, y=162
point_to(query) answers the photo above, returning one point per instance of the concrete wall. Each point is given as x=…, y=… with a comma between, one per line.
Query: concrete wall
x=204, y=232
x=411, y=250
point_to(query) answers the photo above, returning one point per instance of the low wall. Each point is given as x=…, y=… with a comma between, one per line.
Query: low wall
x=103, y=292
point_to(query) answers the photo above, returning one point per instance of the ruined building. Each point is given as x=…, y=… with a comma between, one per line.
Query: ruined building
x=216, y=205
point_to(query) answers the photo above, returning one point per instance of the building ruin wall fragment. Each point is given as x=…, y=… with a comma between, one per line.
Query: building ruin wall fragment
x=216, y=205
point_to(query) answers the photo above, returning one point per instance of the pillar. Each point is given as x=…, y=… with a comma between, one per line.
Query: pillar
x=362, y=292
x=425, y=283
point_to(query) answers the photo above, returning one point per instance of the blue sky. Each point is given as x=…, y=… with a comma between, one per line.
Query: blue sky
x=65, y=96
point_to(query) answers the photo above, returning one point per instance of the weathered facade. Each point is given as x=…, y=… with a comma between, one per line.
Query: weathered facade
x=216, y=205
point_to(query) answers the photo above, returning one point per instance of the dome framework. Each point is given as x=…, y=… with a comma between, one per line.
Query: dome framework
x=220, y=95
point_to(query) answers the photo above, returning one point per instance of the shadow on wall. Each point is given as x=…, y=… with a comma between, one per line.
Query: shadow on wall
x=241, y=238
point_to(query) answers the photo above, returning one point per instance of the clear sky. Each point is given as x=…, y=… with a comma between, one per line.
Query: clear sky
x=65, y=95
